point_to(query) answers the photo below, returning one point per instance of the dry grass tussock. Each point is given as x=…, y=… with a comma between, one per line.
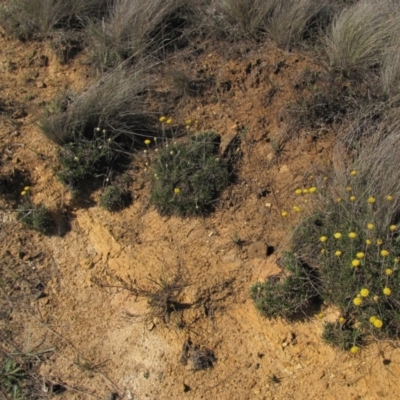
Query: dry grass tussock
x=390, y=71
x=292, y=20
x=115, y=103
x=359, y=35
x=249, y=17
x=36, y=18
x=283, y=21
x=131, y=28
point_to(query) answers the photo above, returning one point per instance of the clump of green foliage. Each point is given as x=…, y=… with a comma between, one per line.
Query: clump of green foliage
x=342, y=335
x=85, y=159
x=36, y=217
x=114, y=198
x=12, y=376
x=358, y=258
x=187, y=177
x=289, y=294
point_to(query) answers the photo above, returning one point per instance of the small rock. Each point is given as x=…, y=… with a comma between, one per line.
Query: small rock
x=40, y=85
x=87, y=263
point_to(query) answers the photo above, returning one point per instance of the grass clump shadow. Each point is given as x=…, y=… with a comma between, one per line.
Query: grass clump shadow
x=188, y=176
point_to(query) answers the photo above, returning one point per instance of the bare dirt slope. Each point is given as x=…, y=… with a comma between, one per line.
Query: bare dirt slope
x=103, y=343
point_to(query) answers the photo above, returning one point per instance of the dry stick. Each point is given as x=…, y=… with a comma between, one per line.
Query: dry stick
x=74, y=348
x=74, y=389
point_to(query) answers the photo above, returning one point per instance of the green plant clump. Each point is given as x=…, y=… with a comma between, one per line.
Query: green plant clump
x=35, y=217
x=114, y=198
x=187, y=177
x=84, y=159
x=12, y=376
x=288, y=295
x=357, y=248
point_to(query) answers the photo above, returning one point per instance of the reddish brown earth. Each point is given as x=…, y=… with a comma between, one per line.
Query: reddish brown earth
x=99, y=347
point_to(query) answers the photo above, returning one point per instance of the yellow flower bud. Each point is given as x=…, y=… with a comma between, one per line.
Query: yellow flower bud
x=388, y=271
x=384, y=253
x=387, y=291
x=377, y=323
x=357, y=301
x=354, y=349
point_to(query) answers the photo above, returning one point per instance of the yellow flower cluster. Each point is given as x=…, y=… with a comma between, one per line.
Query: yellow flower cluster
x=311, y=190
x=164, y=119
x=25, y=191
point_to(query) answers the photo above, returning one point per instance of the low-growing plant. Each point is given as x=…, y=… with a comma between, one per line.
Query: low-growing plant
x=12, y=376
x=341, y=335
x=85, y=159
x=188, y=176
x=114, y=198
x=36, y=217
x=289, y=294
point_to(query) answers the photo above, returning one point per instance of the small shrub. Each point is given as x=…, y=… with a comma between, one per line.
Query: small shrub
x=187, y=177
x=286, y=296
x=352, y=235
x=338, y=334
x=114, y=198
x=85, y=159
x=36, y=217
